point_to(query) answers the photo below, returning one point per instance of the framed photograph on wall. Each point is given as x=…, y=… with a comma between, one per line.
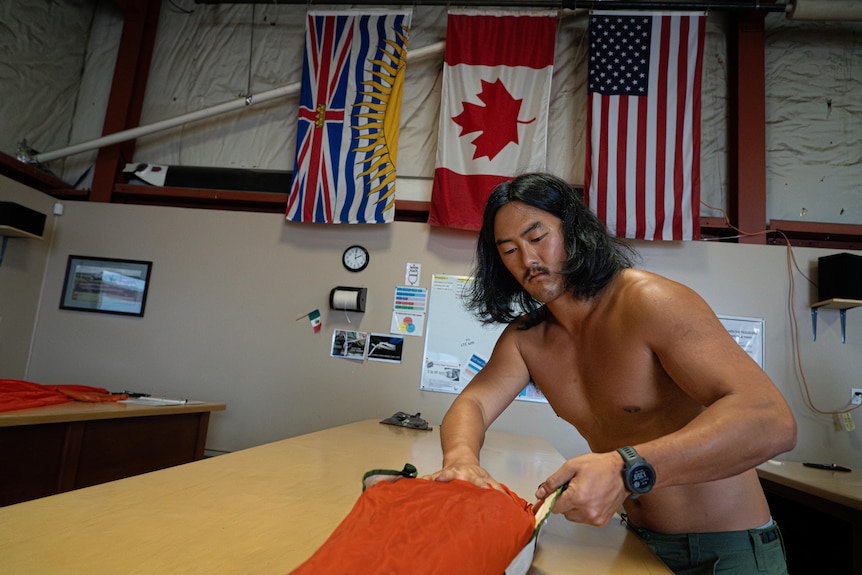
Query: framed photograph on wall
x=106, y=285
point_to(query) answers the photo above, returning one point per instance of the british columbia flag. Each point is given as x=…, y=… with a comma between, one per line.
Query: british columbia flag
x=349, y=113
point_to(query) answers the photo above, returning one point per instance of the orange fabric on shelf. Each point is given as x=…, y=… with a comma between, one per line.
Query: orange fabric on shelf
x=18, y=394
x=88, y=394
x=426, y=527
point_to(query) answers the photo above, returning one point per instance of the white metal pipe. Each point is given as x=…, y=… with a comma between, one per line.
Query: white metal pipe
x=425, y=51
x=133, y=133
x=166, y=124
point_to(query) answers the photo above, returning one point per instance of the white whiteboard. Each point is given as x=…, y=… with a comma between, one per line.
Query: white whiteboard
x=457, y=345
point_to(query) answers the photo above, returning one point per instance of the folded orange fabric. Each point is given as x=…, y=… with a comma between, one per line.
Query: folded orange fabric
x=19, y=394
x=426, y=527
x=88, y=394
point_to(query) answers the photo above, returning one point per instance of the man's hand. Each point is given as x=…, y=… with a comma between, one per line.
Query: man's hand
x=471, y=472
x=595, y=491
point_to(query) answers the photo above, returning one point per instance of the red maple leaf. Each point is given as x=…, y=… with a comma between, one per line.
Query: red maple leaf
x=497, y=120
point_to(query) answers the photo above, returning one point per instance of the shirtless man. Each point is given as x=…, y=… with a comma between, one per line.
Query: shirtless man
x=630, y=359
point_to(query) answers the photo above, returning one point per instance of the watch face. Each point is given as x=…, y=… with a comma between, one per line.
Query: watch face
x=638, y=475
x=641, y=478
x=355, y=258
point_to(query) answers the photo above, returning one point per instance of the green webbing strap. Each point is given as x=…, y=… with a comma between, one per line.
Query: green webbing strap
x=408, y=471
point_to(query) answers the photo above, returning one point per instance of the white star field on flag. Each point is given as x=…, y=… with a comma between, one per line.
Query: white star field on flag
x=619, y=60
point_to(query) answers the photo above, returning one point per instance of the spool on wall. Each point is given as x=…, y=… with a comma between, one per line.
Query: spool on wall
x=346, y=298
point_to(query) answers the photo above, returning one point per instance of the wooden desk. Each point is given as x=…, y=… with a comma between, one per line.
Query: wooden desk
x=57, y=448
x=267, y=509
x=836, y=494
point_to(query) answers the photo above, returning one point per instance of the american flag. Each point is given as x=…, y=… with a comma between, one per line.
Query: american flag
x=643, y=123
x=351, y=76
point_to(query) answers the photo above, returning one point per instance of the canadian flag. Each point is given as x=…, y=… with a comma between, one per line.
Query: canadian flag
x=494, y=108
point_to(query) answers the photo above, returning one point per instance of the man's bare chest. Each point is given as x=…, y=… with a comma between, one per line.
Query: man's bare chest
x=611, y=392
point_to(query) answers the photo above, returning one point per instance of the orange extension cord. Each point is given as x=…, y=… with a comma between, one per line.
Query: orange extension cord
x=791, y=263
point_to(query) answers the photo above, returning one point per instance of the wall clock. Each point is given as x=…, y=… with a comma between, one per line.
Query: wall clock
x=355, y=258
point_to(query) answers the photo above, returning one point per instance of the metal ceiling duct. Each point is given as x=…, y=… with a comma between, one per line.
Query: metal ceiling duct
x=835, y=10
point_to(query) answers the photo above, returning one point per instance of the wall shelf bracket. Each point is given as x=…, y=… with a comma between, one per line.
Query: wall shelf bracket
x=842, y=305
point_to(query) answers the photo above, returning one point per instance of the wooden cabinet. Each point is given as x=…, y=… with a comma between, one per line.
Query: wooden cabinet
x=59, y=448
x=820, y=515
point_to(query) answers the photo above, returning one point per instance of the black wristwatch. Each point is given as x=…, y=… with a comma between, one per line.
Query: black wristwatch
x=638, y=475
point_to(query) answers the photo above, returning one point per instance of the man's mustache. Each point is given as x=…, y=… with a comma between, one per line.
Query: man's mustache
x=536, y=270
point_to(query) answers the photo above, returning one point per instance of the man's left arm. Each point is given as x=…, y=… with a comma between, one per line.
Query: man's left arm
x=746, y=420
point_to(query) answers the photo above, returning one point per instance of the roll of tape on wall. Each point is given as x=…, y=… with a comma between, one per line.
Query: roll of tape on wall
x=345, y=299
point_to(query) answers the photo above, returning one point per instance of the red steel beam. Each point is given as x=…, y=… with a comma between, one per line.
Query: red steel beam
x=748, y=127
x=127, y=92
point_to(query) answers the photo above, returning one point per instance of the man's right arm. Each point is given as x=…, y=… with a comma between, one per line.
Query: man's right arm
x=461, y=436
x=478, y=405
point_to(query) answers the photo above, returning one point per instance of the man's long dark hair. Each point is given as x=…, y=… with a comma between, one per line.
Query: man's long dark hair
x=594, y=256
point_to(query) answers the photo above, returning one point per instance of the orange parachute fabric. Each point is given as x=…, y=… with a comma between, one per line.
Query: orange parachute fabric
x=426, y=527
x=18, y=394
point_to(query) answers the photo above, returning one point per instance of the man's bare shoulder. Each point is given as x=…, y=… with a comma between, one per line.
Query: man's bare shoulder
x=647, y=290
x=525, y=327
x=657, y=308
x=648, y=283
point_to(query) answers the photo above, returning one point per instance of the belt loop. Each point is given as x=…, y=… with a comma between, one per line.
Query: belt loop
x=781, y=538
x=694, y=548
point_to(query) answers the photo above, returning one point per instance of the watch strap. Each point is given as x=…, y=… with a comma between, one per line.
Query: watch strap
x=629, y=454
x=631, y=459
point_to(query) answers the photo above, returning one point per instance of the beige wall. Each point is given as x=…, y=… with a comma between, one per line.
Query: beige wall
x=21, y=274
x=227, y=287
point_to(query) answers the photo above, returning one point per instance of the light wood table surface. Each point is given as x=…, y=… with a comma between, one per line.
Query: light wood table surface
x=267, y=509
x=85, y=411
x=840, y=487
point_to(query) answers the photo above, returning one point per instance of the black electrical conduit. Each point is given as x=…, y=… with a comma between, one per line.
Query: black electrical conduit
x=754, y=6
